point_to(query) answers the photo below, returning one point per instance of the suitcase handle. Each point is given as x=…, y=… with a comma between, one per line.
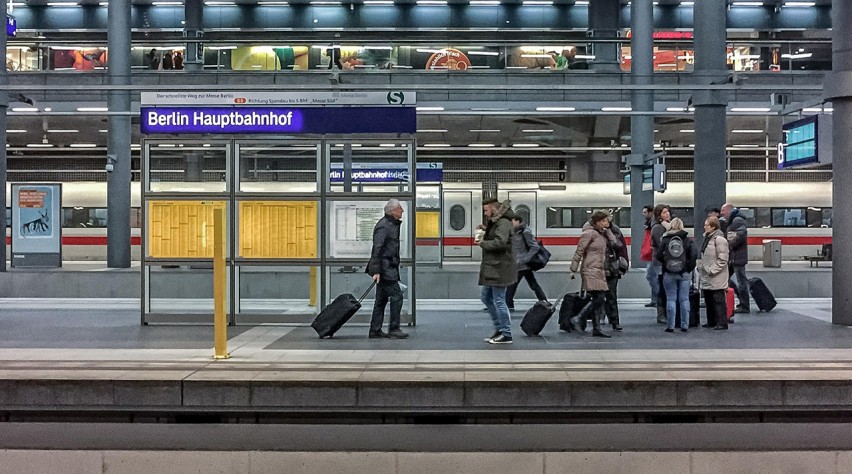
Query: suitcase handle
x=370, y=288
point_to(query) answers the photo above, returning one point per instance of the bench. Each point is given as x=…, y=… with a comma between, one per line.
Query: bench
x=823, y=255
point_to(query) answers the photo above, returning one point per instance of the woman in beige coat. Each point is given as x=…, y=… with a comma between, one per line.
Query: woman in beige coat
x=713, y=269
x=590, y=259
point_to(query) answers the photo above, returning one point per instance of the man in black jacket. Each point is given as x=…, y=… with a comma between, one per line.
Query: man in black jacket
x=736, y=231
x=384, y=268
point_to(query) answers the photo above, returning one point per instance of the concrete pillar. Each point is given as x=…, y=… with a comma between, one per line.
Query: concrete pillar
x=838, y=89
x=118, y=143
x=711, y=130
x=194, y=167
x=194, y=60
x=604, y=24
x=641, y=126
x=4, y=104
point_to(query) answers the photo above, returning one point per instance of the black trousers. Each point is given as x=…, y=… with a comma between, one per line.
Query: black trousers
x=611, y=304
x=387, y=290
x=528, y=275
x=717, y=311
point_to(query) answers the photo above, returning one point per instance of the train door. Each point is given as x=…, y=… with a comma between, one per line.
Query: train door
x=458, y=223
x=525, y=203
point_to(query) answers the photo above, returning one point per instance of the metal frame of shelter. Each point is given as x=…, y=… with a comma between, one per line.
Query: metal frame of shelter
x=177, y=221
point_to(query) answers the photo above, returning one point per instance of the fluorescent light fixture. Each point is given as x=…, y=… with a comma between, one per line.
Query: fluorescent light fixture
x=325, y=2
x=687, y=4
x=59, y=130
x=616, y=109
x=581, y=2
x=63, y=4
x=555, y=109
x=537, y=3
x=680, y=109
x=751, y=109
x=746, y=131
x=481, y=145
x=538, y=130
x=436, y=3
x=103, y=4
x=485, y=130
x=166, y=145
x=24, y=109
x=83, y=145
x=484, y=3
x=429, y=109
x=483, y=53
x=378, y=2
x=219, y=3
x=166, y=4
x=525, y=145
x=437, y=145
x=585, y=56
x=687, y=130
x=432, y=51
x=273, y=3
x=387, y=48
x=797, y=56
x=216, y=48
x=432, y=130
x=92, y=109
x=103, y=130
x=16, y=131
x=746, y=146
x=388, y=145
x=747, y=4
x=817, y=110
x=536, y=56
x=39, y=145
x=799, y=4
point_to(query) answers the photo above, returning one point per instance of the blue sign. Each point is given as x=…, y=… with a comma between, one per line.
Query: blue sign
x=11, y=26
x=390, y=173
x=278, y=120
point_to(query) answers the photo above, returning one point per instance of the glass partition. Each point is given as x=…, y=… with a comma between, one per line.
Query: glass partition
x=277, y=166
x=191, y=167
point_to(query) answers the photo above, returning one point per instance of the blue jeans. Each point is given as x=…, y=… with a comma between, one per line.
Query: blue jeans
x=494, y=298
x=677, y=291
x=652, y=274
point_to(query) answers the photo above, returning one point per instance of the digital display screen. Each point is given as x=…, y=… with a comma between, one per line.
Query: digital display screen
x=799, y=143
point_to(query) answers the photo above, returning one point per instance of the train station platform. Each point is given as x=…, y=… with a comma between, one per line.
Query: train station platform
x=771, y=392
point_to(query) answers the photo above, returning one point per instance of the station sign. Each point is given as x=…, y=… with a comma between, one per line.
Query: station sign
x=11, y=26
x=274, y=98
x=277, y=120
x=388, y=173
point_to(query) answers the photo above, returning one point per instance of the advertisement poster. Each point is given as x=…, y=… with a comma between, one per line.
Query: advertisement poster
x=36, y=225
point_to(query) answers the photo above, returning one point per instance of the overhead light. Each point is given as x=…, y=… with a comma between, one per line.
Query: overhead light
x=797, y=56
x=581, y=2
x=585, y=56
x=103, y=131
x=481, y=145
x=16, y=131
x=433, y=130
x=429, y=109
x=525, y=145
x=555, y=109
x=747, y=4
x=63, y=4
x=484, y=3
x=538, y=130
x=437, y=145
x=485, y=130
x=746, y=131
x=680, y=109
x=686, y=130
x=616, y=109
x=818, y=110
x=750, y=109
x=166, y=4
x=537, y=2
x=799, y=4
x=103, y=4
x=432, y=2
x=746, y=146
x=273, y=3
x=39, y=145
x=536, y=56
x=687, y=4
x=387, y=145
x=166, y=145
x=83, y=145
x=483, y=53
x=59, y=130
x=92, y=109
x=218, y=3
x=24, y=109
x=378, y=2
x=324, y=2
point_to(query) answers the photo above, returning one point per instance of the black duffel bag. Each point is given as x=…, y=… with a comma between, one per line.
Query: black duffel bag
x=540, y=259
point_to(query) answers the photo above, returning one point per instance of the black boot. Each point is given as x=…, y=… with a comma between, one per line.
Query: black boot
x=579, y=321
x=596, y=328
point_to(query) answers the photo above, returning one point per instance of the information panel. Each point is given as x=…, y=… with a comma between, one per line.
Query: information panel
x=351, y=226
x=36, y=225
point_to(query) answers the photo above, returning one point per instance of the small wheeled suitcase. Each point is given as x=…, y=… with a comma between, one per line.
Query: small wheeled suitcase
x=336, y=314
x=571, y=306
x=761, y=294
x=694, y=307
x=537, y=317
x=730, y=305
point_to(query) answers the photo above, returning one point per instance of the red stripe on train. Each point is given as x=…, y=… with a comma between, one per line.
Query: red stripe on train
x=83, y=240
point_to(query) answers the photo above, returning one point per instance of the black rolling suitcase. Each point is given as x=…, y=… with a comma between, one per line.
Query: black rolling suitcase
x=336, y=314
x=571, y=306
x=537, y=317
x=761, y=294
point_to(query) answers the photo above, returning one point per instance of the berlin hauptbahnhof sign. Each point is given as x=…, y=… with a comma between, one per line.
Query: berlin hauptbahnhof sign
x=278, y=113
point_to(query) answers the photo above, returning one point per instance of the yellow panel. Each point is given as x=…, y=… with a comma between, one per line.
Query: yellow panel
x=278, y=229
x=181, y=229
x=428, y=224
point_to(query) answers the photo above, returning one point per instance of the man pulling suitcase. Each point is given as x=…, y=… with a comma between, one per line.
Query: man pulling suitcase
x=384, y=268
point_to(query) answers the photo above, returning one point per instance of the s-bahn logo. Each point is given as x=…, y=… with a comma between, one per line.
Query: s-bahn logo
x=396, y=98
x=240, y=100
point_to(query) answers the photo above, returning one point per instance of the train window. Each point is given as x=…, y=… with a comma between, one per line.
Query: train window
x=523, y=211
x=762, y=217
x=457, y=217
x=87, y=217
x=686, y=214
x=789, y=217
x=748, y=214
x=8, y=217
x=826, y=217
x=622, y=217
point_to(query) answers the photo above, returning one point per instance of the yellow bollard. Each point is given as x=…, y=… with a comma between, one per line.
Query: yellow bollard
x=220, y=321
x=313, y=287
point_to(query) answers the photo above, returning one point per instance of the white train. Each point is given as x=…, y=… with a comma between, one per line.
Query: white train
x=798, y=214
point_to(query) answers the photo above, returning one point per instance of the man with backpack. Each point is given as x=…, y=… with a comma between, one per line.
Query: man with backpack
x=524, y=250
x=678, y=257
x=736, y=231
